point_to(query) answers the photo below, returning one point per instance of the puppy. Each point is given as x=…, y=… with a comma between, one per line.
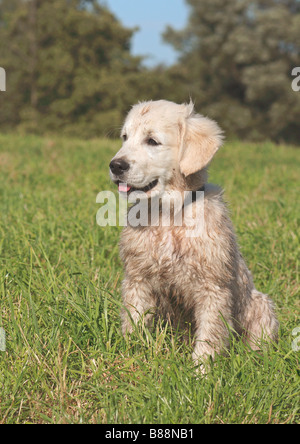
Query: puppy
x=200, y=280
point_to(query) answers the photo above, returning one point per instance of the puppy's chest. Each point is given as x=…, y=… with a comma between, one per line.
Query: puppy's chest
x=157, y=253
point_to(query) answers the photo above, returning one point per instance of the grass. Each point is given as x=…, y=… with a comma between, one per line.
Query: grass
x=60, y=274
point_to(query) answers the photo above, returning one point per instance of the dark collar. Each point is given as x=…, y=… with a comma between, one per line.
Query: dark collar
x=194, y=193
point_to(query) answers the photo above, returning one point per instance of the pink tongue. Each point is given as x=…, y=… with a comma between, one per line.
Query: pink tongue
x=124, y=188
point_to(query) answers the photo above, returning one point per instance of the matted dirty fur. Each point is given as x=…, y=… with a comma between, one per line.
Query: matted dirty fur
x=203, y=280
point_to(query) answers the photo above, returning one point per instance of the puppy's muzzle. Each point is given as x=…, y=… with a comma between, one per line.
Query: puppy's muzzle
x=119, y=166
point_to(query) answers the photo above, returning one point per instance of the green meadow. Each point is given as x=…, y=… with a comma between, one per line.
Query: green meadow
x=65, y=360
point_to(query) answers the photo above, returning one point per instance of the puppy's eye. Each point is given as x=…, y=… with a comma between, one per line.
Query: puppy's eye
x=124, y=137
x=152, y=142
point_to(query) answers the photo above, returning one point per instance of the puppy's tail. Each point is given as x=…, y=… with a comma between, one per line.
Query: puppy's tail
x=260, y=321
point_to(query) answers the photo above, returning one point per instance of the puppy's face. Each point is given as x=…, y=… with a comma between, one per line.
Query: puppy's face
x=160, y=140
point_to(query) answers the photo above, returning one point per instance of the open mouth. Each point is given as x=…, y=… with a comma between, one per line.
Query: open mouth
x=125, y=188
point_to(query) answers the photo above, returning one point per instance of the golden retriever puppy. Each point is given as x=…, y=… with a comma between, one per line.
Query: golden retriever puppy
x=199, y=280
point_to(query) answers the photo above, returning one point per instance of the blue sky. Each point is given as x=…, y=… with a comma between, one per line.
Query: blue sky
x=152, y=17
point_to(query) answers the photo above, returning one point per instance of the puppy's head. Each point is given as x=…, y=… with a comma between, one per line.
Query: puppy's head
x=161, y=141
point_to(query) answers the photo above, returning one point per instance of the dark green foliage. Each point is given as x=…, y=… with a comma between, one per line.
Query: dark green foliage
x=68, y=64
x=237, y=57
x=70, y=68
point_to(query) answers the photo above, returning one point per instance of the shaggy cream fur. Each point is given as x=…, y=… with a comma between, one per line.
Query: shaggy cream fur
x=201, y=281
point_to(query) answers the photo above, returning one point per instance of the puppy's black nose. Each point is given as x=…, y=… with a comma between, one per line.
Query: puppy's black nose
x=119, y=166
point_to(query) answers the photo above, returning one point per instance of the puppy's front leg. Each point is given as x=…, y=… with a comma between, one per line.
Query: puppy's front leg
x=139, y=304
x=213, y=318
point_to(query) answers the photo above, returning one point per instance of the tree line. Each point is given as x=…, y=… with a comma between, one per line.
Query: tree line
x=70, y=69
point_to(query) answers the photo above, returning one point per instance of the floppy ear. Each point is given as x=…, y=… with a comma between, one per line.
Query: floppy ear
x=201, y=140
